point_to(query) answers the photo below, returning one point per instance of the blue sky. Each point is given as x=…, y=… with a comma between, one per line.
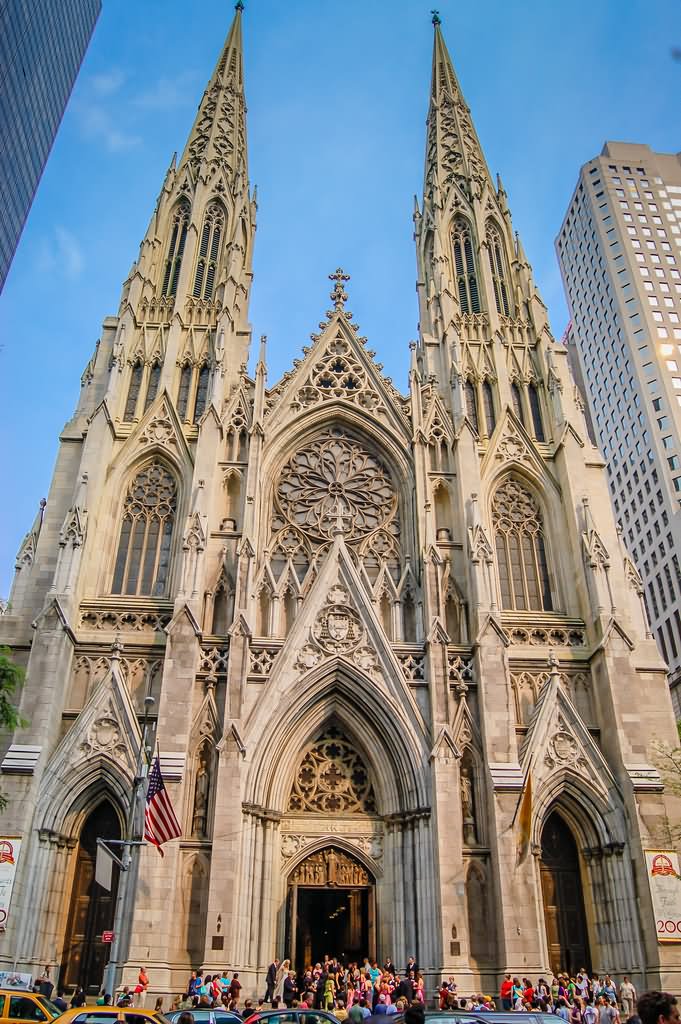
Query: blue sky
x=337, y=96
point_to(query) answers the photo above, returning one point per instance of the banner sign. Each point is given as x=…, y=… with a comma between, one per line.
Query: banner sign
x=9, y=855
x=664, y=878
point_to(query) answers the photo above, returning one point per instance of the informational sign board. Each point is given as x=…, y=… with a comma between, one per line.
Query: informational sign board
x=10, y=847
x=107, y=936
x=664, y=878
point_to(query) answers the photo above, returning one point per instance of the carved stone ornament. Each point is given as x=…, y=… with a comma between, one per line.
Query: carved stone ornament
x=511, y=447
x=338, y=629
x=564, y=751
x=332, y=779
x=330, y=867
x=104, y=736
x=159, y=430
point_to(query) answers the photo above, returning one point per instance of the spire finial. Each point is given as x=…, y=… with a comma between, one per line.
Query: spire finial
x=339, y=295
x=238, y=6
x=436, y=18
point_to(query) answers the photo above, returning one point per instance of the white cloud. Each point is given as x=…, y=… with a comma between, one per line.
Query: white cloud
x=108, y=82
x=60, y=253
x=168, y=93
x=96, y=123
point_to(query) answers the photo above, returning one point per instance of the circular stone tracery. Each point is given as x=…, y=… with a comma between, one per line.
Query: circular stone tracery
x=336, y=476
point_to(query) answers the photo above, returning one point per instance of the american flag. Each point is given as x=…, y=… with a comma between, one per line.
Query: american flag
x=160, y=823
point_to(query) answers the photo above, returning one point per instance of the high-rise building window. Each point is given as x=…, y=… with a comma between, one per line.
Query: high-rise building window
x=144, y=547
x=520, y=549
x=178, y=238
x=133, y=391
x=465, y=268
x=209, y=252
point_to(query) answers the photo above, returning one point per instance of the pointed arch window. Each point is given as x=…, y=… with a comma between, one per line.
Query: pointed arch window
x=464, y=265
x=488, y=403
x=497, y=264
x=521, y=550
x=183, y=391
x=209, y=252
x=535, y=409
x=152, y=384
x=178, y=239
x=516, y=401
x=201, y=393
x=143, y=559
x=472, y=404
x=133, y=391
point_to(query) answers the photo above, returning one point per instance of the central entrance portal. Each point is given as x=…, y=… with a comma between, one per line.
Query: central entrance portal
x=563, y=899
x=331, y=909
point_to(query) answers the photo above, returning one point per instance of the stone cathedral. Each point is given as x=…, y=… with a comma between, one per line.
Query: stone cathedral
x=404, y=692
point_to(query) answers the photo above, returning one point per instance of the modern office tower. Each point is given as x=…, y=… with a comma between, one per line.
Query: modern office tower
x=42, y=45
x=402, y=690
x=619, y=249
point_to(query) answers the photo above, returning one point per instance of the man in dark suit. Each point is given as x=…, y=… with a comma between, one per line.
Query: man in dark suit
x=271, y=980
x=412, y=966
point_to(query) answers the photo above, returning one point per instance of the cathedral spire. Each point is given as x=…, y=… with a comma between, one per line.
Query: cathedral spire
x=218, y=135
x=453, y=152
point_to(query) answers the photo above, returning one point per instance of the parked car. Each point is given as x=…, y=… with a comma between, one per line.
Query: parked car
x=21, y=1005
x=481, y=1017
x=109, y=1014
x=297, y=1016
x=204, y=1015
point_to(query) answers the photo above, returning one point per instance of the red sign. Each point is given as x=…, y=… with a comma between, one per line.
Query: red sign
x=107, y=936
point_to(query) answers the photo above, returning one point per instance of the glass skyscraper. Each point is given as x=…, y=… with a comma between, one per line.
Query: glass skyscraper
x=42, y=45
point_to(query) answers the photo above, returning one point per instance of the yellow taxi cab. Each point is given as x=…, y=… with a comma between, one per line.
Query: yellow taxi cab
x=21, y=1005
x=110, y=1014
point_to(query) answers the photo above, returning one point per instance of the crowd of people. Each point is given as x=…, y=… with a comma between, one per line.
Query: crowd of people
x=356, y=992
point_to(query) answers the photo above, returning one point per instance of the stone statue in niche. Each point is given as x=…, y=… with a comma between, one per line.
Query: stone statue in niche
x=467, y=807
x=201, y=795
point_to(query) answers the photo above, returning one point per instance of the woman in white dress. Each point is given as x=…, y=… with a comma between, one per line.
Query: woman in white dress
x=282, y=973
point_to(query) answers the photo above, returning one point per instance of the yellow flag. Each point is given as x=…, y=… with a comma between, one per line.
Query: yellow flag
x=525, y=820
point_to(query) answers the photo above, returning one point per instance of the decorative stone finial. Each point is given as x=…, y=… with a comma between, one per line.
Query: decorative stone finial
x=436, y=18
x=553, y=663
x=337, y=514
x=338, y=295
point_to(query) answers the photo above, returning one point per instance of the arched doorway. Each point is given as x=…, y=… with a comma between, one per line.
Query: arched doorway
x=91, y=910
x=561, y=884
x=331, y=909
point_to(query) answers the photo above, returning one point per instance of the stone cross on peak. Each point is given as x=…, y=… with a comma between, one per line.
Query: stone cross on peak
x=339, y=295
x=338, y=516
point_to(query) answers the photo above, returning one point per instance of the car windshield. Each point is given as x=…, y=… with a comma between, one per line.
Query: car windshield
x=48, y=1007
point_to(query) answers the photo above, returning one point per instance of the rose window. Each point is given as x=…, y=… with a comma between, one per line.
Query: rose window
x=335, y=479
x=332, y=779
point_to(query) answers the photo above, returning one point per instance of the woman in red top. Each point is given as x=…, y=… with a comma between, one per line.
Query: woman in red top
x=505, y=992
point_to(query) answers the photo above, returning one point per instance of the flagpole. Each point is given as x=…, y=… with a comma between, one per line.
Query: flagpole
x=129, y=864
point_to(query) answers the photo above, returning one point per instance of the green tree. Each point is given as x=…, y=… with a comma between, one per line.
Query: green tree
x=668, y=760
x=11, y=678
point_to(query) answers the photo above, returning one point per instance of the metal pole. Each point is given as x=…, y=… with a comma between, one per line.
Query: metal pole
x=129, y=859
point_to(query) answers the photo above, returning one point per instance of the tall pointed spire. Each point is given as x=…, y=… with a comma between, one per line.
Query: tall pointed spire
x=218, y=135
x=453, y=151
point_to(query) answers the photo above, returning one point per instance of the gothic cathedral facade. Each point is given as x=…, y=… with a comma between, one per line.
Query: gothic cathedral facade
x=393, y=650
